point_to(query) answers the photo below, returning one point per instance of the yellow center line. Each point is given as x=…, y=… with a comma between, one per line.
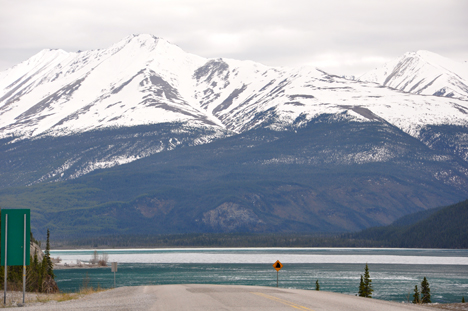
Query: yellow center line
x=285, y=302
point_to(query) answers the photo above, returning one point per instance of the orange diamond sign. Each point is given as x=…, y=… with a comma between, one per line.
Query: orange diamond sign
x=278, y=265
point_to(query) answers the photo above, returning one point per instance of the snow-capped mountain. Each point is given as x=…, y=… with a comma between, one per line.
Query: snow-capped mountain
x=424, y=73
x=139, y=80
x=226, y=145
x=146, y=80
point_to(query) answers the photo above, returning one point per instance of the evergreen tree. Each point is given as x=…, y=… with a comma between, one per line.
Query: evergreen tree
x=367, y=289
x=425, y=291
x=361, y=287
x=37, y=273
x=36, y=262
x=317, y=285
x=32, y=274
x=42, y=273
x=49, y=266
x=36, y=269
x=416, y=295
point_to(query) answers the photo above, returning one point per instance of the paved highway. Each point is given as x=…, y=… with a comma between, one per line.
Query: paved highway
x=223, y=297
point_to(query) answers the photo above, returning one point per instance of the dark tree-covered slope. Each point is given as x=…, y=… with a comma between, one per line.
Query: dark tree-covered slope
x=438, y=228
x=329, y=175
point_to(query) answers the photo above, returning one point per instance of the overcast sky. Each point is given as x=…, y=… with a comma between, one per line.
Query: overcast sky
x=339, y=36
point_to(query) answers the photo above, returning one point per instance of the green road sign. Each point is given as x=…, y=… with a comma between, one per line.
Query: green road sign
x=16, y=236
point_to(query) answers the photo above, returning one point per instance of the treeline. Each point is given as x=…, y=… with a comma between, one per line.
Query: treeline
x=216, y=240
x=440, y=228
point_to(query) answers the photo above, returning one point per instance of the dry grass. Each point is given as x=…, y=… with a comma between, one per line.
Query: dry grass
x=57, y=297
x=16, y=297
x=91, y=290
x=70, y=296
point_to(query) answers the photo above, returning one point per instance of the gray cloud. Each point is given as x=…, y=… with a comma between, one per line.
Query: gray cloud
x=341, y=36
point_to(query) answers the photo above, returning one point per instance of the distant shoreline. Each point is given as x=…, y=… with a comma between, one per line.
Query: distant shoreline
x=82, y=266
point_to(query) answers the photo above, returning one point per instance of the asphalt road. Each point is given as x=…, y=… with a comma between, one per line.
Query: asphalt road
x=222, y=297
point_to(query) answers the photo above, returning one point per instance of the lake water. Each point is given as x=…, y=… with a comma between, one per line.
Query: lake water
x=394, y=272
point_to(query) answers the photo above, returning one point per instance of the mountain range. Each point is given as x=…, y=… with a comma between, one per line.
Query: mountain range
x=143, y=137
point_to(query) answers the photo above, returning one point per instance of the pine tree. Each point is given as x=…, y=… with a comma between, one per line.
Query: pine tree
x=425, y=291
x=416, y=295
x=42, y=273
x=361, y=287
x=317, y=285
x=37, y=272
x=49, y=266
x=32, y=274
x=36, y=262
x=367, y=289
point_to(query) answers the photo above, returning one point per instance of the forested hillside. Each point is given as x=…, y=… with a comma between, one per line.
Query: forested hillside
x=439, y=228
x=327, y=176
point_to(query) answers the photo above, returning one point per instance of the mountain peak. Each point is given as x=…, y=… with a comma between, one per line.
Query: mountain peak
x=137, y=44
x=431, y=58
x=147, y=38
x=421, y=54
x=423, y=72
x=139, y=40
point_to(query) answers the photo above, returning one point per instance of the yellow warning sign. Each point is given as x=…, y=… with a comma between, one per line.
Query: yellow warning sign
x=278, y=265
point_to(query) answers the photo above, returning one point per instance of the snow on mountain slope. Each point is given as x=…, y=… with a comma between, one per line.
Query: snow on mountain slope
x=136, y=81
x=423, y=73
x=146, y=80
x=241, y=96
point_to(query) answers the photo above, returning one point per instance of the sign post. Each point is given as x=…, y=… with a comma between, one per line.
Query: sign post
x=6, y=257
x=277, y=265
x=15, y=242
x=24, y=255
x=114, y=269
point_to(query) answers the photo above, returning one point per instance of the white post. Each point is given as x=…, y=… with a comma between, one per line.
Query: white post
x=6, y=265
x=114, y=269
